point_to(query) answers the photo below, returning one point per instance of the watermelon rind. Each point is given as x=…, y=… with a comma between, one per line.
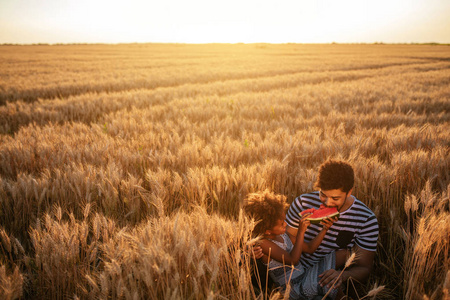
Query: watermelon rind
x=318, y=220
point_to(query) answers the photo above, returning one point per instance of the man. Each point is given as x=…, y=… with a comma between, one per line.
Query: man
x=356, y=230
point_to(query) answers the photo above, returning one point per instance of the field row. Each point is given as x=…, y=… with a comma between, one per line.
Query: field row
x=51, y=77
x=73, y=84
x=288, y=95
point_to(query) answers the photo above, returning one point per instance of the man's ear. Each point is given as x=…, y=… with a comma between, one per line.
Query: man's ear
x=268, y=232
x=350, y=192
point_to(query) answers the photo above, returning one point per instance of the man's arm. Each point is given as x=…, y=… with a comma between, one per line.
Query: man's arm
x=360, y=269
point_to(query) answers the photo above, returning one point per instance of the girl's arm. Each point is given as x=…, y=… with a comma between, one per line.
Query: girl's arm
x=273, y=251
x=315, y=242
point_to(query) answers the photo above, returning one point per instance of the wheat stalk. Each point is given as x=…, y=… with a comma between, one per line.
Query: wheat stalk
x=347, y=264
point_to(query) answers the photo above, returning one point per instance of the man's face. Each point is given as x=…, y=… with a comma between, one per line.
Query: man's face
x=333, y=198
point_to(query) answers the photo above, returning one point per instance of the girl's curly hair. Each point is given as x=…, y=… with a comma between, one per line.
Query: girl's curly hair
x=265, y=207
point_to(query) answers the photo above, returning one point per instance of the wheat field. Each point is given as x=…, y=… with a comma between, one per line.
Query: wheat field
x=123, y=167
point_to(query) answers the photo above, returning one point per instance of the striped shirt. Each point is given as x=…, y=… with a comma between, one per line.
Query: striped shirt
x=357, y=225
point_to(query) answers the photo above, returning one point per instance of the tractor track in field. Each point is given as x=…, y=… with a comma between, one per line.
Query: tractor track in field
x=33, y=94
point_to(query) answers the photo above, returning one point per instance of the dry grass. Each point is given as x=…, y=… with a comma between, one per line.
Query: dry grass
x=123, y=164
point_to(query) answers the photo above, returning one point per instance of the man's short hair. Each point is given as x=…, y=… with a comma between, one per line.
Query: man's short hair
x=335, y=174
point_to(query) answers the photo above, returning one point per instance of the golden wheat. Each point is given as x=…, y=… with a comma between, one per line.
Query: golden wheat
x=123, y=167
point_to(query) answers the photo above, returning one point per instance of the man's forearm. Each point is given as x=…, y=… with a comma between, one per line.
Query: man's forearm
x=359, y=273
x=362, y=265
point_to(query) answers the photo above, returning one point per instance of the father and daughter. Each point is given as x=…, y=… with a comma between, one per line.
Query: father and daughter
x=308, y=256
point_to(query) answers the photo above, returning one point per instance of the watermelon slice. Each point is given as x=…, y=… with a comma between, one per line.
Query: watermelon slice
x=307, y=211
x=319, y=214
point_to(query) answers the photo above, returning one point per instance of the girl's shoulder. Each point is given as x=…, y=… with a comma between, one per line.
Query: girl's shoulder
x=279, y=240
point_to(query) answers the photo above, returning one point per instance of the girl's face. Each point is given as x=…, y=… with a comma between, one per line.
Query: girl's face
x=279, y=228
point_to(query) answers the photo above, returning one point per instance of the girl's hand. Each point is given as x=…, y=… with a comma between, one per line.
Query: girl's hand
x=326, y=223
x=255, y=251
x=303, y=224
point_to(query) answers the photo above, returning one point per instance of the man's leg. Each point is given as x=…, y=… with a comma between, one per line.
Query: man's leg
x=310, y=287
x=341, y=258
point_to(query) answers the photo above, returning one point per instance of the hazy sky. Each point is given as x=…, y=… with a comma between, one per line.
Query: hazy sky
x=227, y=21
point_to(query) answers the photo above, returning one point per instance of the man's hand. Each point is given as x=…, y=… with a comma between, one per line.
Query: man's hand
x=326, y=223
x=328, y=278
x=358, y=269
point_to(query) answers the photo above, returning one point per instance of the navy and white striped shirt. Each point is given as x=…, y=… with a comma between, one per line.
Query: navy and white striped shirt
x=357, y=225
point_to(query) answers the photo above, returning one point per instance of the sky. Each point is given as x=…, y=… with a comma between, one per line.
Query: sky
x=226, y=21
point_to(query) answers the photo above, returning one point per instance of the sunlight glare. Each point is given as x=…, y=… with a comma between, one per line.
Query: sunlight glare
x=201, y=21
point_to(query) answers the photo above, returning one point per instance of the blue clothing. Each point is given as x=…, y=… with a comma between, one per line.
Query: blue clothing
x=304, y=284
x=282, y=274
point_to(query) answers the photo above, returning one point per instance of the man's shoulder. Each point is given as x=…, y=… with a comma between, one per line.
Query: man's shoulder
x=305, y=201
x=362, y=209
x=311, y=199
x=302, y=202
x=311, y=195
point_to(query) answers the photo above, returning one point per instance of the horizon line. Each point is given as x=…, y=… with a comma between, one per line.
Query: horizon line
x=225, y=43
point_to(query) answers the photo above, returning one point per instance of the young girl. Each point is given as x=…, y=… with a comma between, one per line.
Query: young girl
x=280, y=254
